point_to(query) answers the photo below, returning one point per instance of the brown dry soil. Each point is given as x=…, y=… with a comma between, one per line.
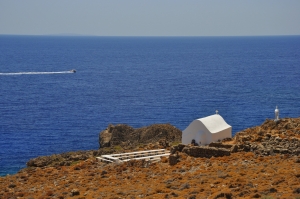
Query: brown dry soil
x=240, y=175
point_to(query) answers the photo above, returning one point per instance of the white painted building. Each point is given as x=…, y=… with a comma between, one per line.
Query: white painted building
x=206, y=130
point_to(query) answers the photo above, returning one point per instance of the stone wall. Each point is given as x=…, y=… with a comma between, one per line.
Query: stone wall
x=220, y=145
x=207, y=152
x=200, y=151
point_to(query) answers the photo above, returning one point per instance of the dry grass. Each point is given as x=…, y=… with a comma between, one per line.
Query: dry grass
x=241, y=175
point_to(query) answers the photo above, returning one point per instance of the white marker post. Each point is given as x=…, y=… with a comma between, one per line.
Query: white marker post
x=276, y=114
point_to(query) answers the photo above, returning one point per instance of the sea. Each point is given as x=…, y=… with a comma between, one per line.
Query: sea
x=46, y=109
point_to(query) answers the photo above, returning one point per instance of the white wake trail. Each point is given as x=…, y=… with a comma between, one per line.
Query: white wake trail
x=37, y=73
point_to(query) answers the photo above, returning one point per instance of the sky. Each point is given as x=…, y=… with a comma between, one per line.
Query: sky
x=150, y=17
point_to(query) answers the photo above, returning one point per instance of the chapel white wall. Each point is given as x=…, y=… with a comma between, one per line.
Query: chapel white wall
x=198, y=131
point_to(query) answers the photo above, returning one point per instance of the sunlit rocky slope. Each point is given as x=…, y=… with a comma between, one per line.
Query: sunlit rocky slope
x=259, y=162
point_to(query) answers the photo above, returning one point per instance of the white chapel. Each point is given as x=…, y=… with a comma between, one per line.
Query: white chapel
x=205, y=130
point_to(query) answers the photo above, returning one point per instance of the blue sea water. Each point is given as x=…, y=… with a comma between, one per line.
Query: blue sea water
x=137, y=81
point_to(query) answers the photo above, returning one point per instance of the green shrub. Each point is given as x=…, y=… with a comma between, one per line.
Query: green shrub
x=118, y=148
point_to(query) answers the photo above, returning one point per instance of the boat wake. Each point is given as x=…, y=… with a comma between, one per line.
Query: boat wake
x=39, y=73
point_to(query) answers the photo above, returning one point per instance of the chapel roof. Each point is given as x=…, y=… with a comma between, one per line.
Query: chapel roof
x=214, y=123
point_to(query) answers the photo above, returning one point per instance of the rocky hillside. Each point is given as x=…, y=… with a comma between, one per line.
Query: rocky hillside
x=271, y=137
x=259, y=162
x=240, y=175
x=116, y=139
x=128, y=137
x=288, y=128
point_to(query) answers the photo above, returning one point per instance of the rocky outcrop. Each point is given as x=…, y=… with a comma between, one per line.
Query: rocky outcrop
x=271, y=137
x=115, y=135
x=128, y=137
x=116, y=139
x=288, y=128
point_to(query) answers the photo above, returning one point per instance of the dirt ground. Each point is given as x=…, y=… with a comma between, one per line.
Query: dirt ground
x=240, y=175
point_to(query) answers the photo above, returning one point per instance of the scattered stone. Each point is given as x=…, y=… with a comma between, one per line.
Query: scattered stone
x=177, y=148
x=256, y=195
x=75, y=192
x=297, y=190
x=234, y=148
x=273, y=190
x=173, y=159
x=184, y=186
x=226, y=195
x=174, y=194
x=192, y=197
x=103, y=172
x=12, y=186
x=77, y=168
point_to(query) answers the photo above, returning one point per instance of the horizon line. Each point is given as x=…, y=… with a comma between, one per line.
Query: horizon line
x=82, y=35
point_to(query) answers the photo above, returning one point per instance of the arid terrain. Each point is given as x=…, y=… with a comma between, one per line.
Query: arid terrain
x=263, y=162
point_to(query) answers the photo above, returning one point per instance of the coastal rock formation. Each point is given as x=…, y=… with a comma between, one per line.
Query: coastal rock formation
x=128, y=137
x=115, y=135
x=116, y=139
x=281, y=137
x=268, y=154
